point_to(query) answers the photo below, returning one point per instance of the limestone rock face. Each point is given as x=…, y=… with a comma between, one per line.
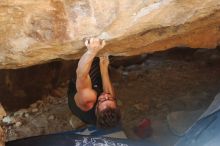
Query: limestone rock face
x=37, y=31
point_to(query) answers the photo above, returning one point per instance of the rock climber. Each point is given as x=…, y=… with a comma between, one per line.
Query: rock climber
x=91, y=96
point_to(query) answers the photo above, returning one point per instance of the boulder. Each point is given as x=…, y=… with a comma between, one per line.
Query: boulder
x=37, y=31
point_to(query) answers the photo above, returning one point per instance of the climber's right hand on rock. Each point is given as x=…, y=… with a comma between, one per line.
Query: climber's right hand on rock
x=94, y=45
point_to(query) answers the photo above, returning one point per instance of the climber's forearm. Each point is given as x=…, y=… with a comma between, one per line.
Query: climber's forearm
x=85, y=63
x=106, y=82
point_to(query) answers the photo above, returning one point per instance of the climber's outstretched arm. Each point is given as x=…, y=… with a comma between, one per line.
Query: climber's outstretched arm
x=86, y=97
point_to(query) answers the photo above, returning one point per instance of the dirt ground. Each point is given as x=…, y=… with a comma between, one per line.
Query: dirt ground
x=174, y=80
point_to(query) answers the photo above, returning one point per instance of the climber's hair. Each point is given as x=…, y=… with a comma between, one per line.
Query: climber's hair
x=108, y=118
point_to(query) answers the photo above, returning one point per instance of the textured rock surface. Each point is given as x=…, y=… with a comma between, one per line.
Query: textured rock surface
x=37, y=31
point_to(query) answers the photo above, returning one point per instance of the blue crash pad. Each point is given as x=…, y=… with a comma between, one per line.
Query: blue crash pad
x=206, y=130
x=94, y=137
